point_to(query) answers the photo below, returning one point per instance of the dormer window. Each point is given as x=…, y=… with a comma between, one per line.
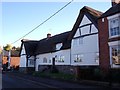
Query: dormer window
x=114, y=27
x=58, y=46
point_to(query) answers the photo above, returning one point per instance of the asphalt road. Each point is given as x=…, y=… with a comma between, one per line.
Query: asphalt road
x=9, y=81
x=14, y=80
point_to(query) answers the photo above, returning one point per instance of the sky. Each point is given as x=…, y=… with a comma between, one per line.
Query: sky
x=18, y=18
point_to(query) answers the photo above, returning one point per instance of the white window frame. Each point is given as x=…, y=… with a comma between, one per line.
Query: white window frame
x=111, y=18
x=115, y=56
x=61, y=59
x=78, y=58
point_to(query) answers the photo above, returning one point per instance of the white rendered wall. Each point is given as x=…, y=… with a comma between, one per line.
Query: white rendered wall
x=23, y=57
x=88, y=48
x=85, y=21
x=66, y=54
x=39, y=59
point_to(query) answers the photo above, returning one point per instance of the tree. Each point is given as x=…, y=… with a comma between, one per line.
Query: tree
x=18, y=49
x=8, y=47
x=13, y=48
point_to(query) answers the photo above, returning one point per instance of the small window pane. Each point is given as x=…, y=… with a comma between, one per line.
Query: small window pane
x=116, y=54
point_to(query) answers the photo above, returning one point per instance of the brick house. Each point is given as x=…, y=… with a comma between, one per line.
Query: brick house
x=14, y=59
x=109, y=38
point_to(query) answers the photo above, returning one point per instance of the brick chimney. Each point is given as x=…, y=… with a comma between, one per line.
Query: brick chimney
x=114, y=2
x=48, y=35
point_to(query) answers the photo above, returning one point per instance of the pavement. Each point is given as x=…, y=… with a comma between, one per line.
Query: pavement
x=82, y=82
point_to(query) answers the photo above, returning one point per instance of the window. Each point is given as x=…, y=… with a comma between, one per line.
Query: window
x=50, y=60
x=96, y=57
x=78, y=58
x=44, y=60
x=77, y=41
x=58, y=46
x=114, y=27
x=31, y=61
x=116, y=54
x=61, y=59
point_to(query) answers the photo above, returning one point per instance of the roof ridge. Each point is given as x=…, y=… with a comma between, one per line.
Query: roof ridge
x=92, y=11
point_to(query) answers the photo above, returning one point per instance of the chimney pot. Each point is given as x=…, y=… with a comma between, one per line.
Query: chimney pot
x=48, y=35
x=114, y=2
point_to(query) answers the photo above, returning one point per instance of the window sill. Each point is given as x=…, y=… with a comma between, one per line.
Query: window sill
x=114, y=36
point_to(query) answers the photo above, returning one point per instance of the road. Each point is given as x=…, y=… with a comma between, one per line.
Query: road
x=10, y=80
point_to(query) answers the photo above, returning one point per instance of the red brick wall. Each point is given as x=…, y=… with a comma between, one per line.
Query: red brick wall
x=4, y=60
x=103, y=44
x=15, y=61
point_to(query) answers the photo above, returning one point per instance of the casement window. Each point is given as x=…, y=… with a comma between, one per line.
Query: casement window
x=78, y=58
x=97, y=57
x=115, y=54
x=114, y=27
x=61, y=58
x=31, y=61
x=77, y=41
x=44, y=60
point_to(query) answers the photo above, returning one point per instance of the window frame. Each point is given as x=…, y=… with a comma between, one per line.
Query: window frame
x=78, y=58
x=114, y=28
x=31, y=61
x=61, y=59
x=115, y=54
x=58, y=46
